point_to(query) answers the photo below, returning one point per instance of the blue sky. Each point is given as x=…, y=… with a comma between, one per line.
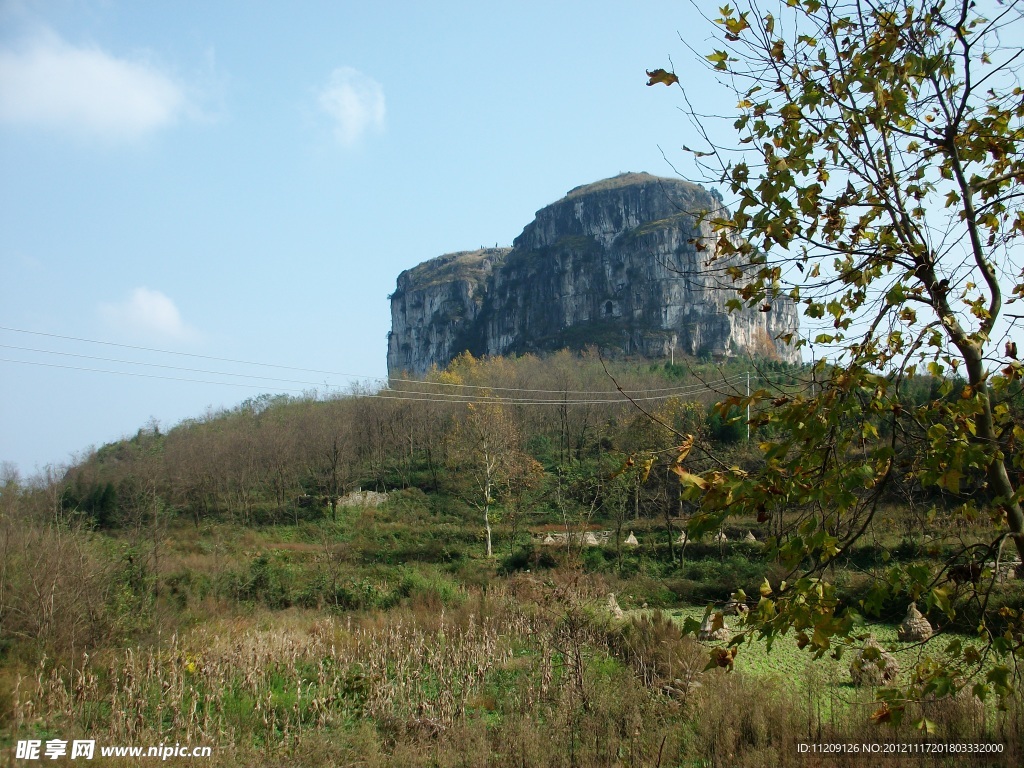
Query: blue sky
x=246, y=180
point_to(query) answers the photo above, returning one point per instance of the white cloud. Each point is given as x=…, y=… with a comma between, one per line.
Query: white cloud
x=355, y=102
x=46, y=82
x=147, y=313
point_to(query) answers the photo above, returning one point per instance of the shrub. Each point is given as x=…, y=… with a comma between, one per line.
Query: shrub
x=728, y=429
x=530, y=558
x=363, y=594
x=432, y=590
x=655, y=647
x=702, y=580
x=55, y=589
x=267, y=582
x=185, y=587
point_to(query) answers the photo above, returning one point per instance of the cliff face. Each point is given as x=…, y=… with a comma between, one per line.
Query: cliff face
x=613, y=263
x=435, y=308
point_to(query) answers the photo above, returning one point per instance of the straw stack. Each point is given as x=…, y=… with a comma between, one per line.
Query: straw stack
x=709, y=634
x=915, y=627
x=613, y=606
x=873, y=665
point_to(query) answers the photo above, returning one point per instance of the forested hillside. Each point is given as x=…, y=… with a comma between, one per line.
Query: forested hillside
x=280, y=459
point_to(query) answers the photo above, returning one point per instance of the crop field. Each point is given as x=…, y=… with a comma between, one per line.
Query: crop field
x=798, y=668
x=825, y=683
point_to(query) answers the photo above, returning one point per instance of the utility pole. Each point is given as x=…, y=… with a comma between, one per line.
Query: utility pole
x=813, y=374
x=748, y=406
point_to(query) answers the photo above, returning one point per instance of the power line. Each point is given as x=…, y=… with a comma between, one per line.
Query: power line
x=675, y=392
x=182, y=354
x=135, y=373
x=385, y=394
x=680, y=390
x=155, y=365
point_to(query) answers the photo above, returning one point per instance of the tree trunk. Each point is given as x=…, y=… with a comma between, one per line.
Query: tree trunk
x=998, y=478
x=487, y=526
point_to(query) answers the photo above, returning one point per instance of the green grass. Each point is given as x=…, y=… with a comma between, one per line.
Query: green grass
x=451, y=267
x=625, y=180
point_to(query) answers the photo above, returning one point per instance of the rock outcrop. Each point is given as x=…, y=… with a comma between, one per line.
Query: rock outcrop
x=622, y=263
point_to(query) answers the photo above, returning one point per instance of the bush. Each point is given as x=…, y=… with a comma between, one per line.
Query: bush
x=132, y=592
x=363, y=594
x=653, y=592
x=55, y=589
x=267, y=582
x=703, y=580
x=655, y=647
x=187, y=587
x=432, y=590
x=595, y=559
x=728, y=429
x=529, y=558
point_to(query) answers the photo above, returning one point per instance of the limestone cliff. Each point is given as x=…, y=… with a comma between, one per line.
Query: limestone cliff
x=618, y=263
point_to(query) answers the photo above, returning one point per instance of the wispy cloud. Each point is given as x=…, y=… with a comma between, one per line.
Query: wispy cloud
x=147, y=313
x=49, y=83
x=355, y=103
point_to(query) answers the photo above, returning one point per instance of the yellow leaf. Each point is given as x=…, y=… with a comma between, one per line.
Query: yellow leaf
x=684, y=449
x=687, y=478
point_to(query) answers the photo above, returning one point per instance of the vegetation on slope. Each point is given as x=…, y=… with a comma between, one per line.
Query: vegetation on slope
x=388, y=635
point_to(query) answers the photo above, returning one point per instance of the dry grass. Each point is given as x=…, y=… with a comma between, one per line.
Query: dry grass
x=528, y=672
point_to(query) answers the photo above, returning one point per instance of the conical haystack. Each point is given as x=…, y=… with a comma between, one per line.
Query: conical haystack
x=873, y=665
x=735, y=608
x=590, y=540
x=720, y=538
x=613, y=606
x=631, y=541
x=915, y=627
x=683, y=538
x=549, y=540
x=708, y=633
x=750, y=537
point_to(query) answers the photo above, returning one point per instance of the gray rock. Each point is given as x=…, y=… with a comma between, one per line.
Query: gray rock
x=614, y=263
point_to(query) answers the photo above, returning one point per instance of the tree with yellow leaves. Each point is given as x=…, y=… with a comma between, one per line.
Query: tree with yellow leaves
x=484, y=448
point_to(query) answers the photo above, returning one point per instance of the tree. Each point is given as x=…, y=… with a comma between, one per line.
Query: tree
x=521, y=491
x=878, y=182
x=486, y=448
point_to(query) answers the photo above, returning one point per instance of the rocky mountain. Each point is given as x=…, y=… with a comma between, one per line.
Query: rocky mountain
x=621, y=263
